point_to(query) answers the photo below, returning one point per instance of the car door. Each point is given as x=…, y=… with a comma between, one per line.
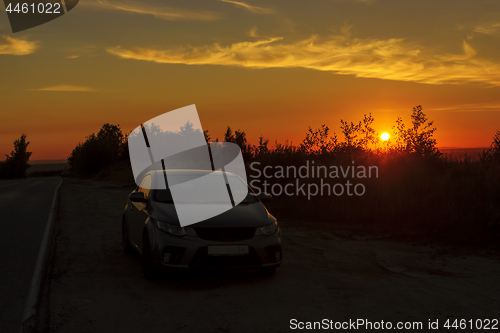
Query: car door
x=138, y=213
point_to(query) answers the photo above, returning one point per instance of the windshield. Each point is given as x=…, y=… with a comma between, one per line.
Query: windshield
x=165, y=196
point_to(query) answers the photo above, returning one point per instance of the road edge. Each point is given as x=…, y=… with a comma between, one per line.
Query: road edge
x=29, y=320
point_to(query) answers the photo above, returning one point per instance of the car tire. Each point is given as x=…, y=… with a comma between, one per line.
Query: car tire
x=127, y=248
x=268, y=271
x=149, y=271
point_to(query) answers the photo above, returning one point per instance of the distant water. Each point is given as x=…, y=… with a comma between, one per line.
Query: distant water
x=460, y=153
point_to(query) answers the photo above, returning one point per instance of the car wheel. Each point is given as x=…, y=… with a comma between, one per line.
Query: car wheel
x=127, y=248
x=150, y=272
x=268, y=271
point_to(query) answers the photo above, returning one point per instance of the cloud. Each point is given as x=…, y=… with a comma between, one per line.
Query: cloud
x=69, y=88
x=391, y=59
x=253, y=33
x=160, y=12
x=490, y=28
x=9, y=45
x=81, y=51
x=253, y=9
x=473, y=107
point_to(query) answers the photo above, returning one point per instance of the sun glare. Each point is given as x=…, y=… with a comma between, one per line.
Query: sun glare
x=385, y=136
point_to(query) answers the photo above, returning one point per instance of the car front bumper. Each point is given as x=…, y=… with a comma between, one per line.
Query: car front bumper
x=189, y=252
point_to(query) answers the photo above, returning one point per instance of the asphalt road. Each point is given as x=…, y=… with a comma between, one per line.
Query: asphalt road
x=24, y=209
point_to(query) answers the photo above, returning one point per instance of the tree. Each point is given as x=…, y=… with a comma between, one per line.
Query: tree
x=239, y=138
x=229, y=136
x=419, y=139
x=492, y=154
x=399, y=136
x=16, y=165
x=351, y=133
x=262, y=148
x=319, y=141
x=98, y=151
x=368, y=135
x=421, y=136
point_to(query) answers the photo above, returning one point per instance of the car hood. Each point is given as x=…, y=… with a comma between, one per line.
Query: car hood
x=243, y=215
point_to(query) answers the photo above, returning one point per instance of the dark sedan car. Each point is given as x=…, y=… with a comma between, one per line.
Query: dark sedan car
x=245, y=236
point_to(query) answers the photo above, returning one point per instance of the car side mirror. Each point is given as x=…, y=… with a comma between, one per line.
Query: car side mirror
x=265, y=197
x=137, y=197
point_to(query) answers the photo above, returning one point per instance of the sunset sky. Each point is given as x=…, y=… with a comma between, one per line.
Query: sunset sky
x=270, y=68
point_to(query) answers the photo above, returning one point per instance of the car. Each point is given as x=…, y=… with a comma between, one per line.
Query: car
x=245, y=236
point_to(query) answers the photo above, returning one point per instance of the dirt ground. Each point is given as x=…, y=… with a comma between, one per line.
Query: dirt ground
x=325, y=275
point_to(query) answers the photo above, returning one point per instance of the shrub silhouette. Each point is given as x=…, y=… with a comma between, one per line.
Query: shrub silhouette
x=418, y=191
x=17, y=163
x=98, y=151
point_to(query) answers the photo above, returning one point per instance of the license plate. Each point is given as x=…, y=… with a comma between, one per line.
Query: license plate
x=228, y=250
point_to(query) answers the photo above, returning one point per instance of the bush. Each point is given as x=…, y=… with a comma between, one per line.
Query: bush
x=417, y=192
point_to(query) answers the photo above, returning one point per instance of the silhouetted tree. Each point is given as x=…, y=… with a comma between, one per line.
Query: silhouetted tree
x=399, y=136
x=98, y=151
x=421, y=135
x=419, y=139
x=492, y=155
x=319, y=141
x=17, y=163
x=351, y=133
x=262, y=148
x=368, y=135
x=229, y=136
x=240, y=138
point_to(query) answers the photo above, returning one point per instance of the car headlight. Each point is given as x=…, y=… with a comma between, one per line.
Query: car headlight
x=267, y=229
x=175, y=229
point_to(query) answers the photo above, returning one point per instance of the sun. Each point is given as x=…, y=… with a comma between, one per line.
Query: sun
x=385, y=136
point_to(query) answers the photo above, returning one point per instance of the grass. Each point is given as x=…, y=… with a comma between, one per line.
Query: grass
x=456, y=202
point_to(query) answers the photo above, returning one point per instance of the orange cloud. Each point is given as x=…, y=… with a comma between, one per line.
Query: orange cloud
x=253, y=9
x=160, y=12
x=472, y=107
x=12, y=46
x=489, y=28
x=69, y=88
x=390, y=59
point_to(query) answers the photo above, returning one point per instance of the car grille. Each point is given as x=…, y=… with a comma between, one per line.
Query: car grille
x=202, y=260
x=225, y=234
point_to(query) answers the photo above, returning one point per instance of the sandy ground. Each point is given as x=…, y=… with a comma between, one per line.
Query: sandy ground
x=325, y=275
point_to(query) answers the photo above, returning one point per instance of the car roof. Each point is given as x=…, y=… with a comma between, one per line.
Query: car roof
x=186, y=172
x=183, y=171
